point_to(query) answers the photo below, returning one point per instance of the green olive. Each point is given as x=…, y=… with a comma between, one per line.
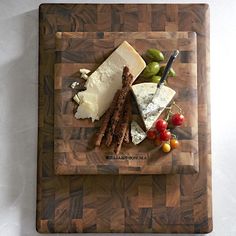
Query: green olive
x=155, y=54
x=156, y=79
x=151, y=69
x=162, y=68
x=171, y=72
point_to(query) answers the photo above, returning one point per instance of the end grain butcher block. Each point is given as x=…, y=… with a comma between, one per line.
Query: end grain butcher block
x=74, y=151
x=122, y=203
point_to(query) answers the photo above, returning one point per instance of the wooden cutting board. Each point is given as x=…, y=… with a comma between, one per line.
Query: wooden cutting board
x=133, y=203
x=74, y=151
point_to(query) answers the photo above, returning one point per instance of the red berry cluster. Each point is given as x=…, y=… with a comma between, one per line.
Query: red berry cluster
x=162, y=135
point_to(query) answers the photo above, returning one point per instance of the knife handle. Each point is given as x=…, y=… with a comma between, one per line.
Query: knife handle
x=168, y=66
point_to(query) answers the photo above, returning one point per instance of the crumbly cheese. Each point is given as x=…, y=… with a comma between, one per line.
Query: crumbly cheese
x=76, y=99
x=85, y=110
x=84, y=76
x=144, y=93
x=84, y=71
x=88, y=106
x=137, y=133
x=107, y=79
x=74, y=84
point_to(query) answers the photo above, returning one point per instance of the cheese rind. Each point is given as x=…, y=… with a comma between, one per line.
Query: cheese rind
x=144, y=93
x=107, y=79
x=137, y=133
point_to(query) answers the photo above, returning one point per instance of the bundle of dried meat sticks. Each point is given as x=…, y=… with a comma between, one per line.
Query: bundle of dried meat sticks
x=115, y=123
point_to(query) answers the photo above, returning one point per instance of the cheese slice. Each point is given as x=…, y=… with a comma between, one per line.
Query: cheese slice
x=144, y=93
x=107, y=79
x=137, y=133
x=88, y=106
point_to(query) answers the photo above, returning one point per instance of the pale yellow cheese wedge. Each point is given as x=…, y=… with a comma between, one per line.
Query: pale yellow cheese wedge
x=107, y=79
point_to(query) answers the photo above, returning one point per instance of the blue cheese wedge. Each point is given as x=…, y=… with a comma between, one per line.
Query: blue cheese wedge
x=144, y=93
x=137, y=133
x=107, y=79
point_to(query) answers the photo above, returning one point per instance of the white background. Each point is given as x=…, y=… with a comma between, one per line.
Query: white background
x=19, y=105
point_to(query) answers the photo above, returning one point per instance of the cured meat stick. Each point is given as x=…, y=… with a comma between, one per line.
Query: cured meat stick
x=105, y=122
x=126, y=138
x=127, y=78
x=127, y=82
x=124, y=126
x=118, y=127
x=127, y=133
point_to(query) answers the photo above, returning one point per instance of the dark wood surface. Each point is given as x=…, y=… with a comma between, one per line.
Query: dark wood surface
x=135, y=203
x=74, y=151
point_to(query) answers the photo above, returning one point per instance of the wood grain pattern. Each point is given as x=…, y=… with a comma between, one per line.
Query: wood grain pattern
x=76, y=154
x=123, y=200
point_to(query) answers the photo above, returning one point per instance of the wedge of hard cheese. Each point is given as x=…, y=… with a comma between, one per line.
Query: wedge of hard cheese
x=106, y=80
x=144, y=93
